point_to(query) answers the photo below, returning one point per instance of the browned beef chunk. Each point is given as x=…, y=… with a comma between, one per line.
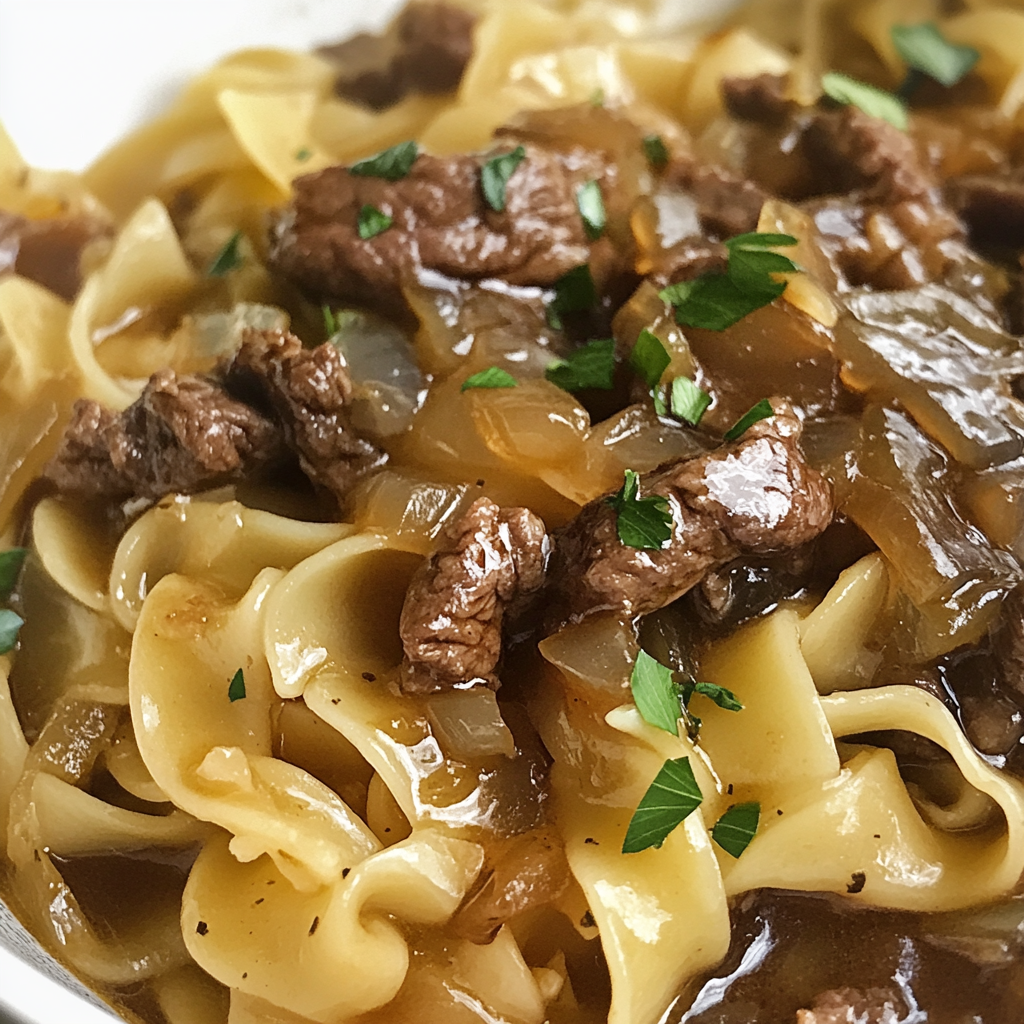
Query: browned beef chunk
x=306, y=391
x=184, y=434
x=761, y=99
x=992, y=208
x=754, y=496
x=520, y=873
x=425, y=50
x=843, y=1005
x=1008, y=642
x=452, y=617
x=48, y=252
x=686, y=260
x=727, y=203
x=441, y=222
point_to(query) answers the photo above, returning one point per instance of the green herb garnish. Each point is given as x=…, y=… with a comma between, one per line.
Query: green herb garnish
x=330, y=321
x=734, y=830
x=875, y=102
x=11, y=562
x=717, y=301
x=649, y=358
x=575, y=292
x=236, y=688
x=597, y=97
x=724, y=698
x=655, y=693
x=926, y=49
x=373, y=221
x=672, y=797
x=303, y=155
x=391, y=164
x=492, y=377
x=689, y=402
x=592, y=366
x=494, y=177
x=590, y=203
x=644, y=523
x=10, y=625
x=229, y=258
x=656, y=151
x=762, y=411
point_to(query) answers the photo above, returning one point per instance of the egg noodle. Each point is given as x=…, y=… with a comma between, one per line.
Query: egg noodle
x=336, y=834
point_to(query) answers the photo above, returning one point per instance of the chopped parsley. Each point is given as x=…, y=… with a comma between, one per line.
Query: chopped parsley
x=656, y=151
x=717, y=301
x=229, y=258
x=926, y=49
x=734, y=830
x=762, y=411
x=672, y=797
x=590, y=203
x=303, y=155
x=391, y=164
x=10, y=626
x=494, y=177
x=575, y=292
x=649, y=358
x=597, y=97
x=592, y=366
x=643, y=523
x=373, y=221
x=655, y=693
x=492, y=377
x=330, y=321
x=724, y=698
x=875, y=102
x=236, y=688
x=11, y=562
x=689, y=402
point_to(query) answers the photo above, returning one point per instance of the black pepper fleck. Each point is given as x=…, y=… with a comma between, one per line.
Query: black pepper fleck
x=344, y=872
x=259, y=901
x=779, y=811
x=479, y=483
x=202, y=928
x=369, y=677
x=857, y=880
x=592, y=842
x=587, y=920
x=313, y=927
x=729, y=790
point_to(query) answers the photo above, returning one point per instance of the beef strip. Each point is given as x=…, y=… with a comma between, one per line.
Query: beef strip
x=48, y=252
x=307, y=392
x=993, y=209
x=752, y=497
x=452, y=617
x=851, y=1006
x=727, y=203
x=1008, y=643
x=184, y=434
x=425, y=50
x=441, y=223
x=526, y=871
x=761, y=99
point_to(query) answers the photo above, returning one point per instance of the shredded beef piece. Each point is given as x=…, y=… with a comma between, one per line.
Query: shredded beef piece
x=754, y=496
x=851, y=1006
x=184, y=434
x=993, y=209
x=452, y=617
x=307, y=391
x=48, y=252
x=727, y=203
x=686, y=261
x=1008, y=642
x=520, y=873
x=761, y=99
x=441, y=222
x=425, y=50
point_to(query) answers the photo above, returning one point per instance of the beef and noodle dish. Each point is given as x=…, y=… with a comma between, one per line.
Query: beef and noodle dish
x=519, y=519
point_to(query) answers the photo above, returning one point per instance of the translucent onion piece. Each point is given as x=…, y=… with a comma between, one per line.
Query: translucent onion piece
x=469, y=725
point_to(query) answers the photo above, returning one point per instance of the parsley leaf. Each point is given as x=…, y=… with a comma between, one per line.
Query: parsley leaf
x=10, y=626
x=373, y=221
x=649, y=358
x=229, y=258
x=926, y=49
x=655, y=694
x=643, y=523
x=11, y=562
x=876, y=102
x=724, y=698
x=672, y=797
x=717, y=301
x=390, y=164
x=656, y=151
x=597, y=97
x=236, y=688
x=592, y=366
x=737, y=827
x=762, y=411
x=303, y=155
x=689, y=402
x=492, y=377
x=590, y=203
x=575, y=292
x=494, y=177
x=330, y=321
